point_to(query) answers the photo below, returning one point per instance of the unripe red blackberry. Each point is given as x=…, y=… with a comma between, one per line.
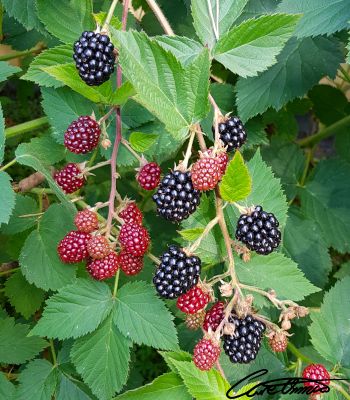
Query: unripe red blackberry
x=131, y=214
x=193, y=301
x=259, y=231
x=86, y=221
x=222, y=158
x=177, y=273
x=98, y=247
x=318, y=373
x=94, y=58
x=232, y=133
x=205, y=354
x=82, y=135
x=149, y=176
x=68, y=178
x=195, y=321
x=134, y=239
x=243, y=345
x=73, y=247
x=205, y=173
x=214, y=316
x=130, y=264
x=278, y=342
x=176, y=198
x=104, y=268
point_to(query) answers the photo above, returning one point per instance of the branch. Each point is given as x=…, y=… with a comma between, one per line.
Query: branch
x=28, y=126
x=160, y=17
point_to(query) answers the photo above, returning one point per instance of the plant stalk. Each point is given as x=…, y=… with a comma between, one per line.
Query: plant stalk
x=28, y=126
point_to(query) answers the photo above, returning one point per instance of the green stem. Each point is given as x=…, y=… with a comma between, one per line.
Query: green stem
x=116, y=281
x=299, y=354
x=340, y=389
x=23, y=53
x=333, y=129
x=41, y=191
x=28, y=126
x=53, y=353
x=309, y=155
x=8, y=165
x=346, y=76
x=110, y=14
x=9, y=271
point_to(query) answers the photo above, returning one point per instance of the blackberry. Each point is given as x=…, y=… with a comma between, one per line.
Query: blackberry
x=177, y=273
x=94, y=58
x=176, y=198
x=232, y=133
x=259, y=231
x=82, y=135
x=244, y=344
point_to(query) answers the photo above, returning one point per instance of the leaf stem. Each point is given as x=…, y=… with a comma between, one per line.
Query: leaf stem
x=106, y=116
x=36, y=49
x=109, y=15
x=299, y=354
x=189, y=150
x=207, y=229
x=98, y=165
x=8, y=165
x=126, y=144
x=9, y=271
x=340, y=389
x=28, y=126
x=220, y=369
x=160, y=17
x=53, y=353
x=116, y=281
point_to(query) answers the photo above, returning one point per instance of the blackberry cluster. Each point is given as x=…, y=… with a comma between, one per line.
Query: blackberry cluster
x=176, y=198
x=94, y=58
x=232, y=133
x=177, y=273
x=259, y=231
x=244, y=344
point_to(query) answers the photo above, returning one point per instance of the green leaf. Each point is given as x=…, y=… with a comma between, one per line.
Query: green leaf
x=304, y=244
x=186, y=50
x=169, y=356
x=275, y=271
x=7, y=198
x=46, y=149
x=62, y=106
x=142, y=141
x=143, y=317
x=71, y=389
x=15, y=346
x=236, y=184
x=7, y=389
x=177, y=96
x=101, y=17
x=291, y=77
x=24, y=11
x=325, y=199
x=6, y=70
x=319, y=16
x=204, y=385
x=57, y=55
x=38, y=381
x=252, y=47
x=330, y=328
x=2, y=135
x=24, y=297
x=39, y=261
x=75, y=310
x=104, y=370
x=256, y=8
x=229, y=11
x=164, y=387
x=191, y=234
x=24, y=205
x=67, y=19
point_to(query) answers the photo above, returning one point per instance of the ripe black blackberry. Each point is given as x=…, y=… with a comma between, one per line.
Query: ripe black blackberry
x=94, y=58
x=232, y=133
x=259, y=231
x=177, y=273
x=176, y=198
x=244, y=344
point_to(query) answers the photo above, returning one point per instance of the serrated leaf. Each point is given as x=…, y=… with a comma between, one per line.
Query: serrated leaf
x=275, y=271
x=191, y=234
x=228, y=11
x=24, y=11
x=71, y=389
x=319, y=16
x=169, y=356
x=304, y=244
x=6, y=70
x=330, y=328
x=39, y=261
x=2, y=136
x=7, y=389
x=62, y=106
x=101, y=17
x=143, y=317
x=256, y=8
x=164, y=387
x=75, y=310
x=177, y=96
x=325, y=200
x=57, y=55
x=290, y=77
x=46, y=149
x=15, y=346
x=141, y=142
x=7, y=198
x=67, y=19
x=236, y=184
x=24, y=297
x=204, y=385
x=104, y=370
x=252, y=47
x=38, y=381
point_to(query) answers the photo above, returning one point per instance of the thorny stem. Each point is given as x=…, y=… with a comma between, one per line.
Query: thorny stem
x=126, y=144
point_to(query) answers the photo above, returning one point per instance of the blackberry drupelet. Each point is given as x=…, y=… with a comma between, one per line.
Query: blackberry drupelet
x=176, y=198
x=232, y=133
x=259, y=231
x=177, y=273
x=244, y=344
x=94, y=58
